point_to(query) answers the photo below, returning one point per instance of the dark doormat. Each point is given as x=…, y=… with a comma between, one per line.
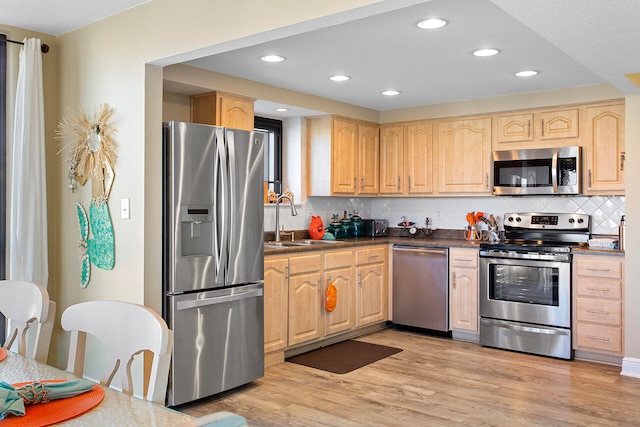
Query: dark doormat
x=344, y=357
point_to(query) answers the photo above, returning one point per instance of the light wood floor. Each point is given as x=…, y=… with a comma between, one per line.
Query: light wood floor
x=437, y=382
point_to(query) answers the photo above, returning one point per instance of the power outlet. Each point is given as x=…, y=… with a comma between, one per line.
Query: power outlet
x=438, y=214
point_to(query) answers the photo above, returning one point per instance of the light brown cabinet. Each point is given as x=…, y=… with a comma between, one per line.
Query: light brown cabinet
x=605, y=150
x=464, y=156
x=295, y=295
x=463, y=290
x=371, y=285
x=407, y=159
x=343, y=157
x=276, y=297
x=598, y=304
x=223, y=109
x=305, y=298
x=338, y=270
x=391, y=160
x=536, y=129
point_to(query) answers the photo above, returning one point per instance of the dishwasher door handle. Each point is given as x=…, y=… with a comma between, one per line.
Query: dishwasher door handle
x=183, y=305
x=419, y=251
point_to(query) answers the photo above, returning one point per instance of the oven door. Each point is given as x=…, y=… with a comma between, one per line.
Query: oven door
x=526, y=290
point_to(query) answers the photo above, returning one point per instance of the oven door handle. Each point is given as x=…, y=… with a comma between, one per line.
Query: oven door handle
x=554, y=170
x=531, y=329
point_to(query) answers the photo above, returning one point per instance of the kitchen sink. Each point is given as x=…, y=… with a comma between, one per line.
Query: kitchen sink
x=306, y=242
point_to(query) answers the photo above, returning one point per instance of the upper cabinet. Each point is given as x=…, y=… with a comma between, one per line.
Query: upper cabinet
x=464, y=156
x=536, y=129
x=223, y=109
x=406, y=159
x=343, y=157
x=604, y=150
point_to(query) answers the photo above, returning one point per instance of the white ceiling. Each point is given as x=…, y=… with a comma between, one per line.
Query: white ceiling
x=570, y=42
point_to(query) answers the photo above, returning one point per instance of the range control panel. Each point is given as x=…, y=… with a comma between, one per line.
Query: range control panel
x=546, y=221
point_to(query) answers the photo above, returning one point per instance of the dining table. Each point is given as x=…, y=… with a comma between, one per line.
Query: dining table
x=115, y=408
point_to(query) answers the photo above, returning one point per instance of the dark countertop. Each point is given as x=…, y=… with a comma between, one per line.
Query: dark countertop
x=428, y=242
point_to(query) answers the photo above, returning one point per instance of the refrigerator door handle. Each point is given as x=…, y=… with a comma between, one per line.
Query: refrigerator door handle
x=221, y=206
x=184, y=305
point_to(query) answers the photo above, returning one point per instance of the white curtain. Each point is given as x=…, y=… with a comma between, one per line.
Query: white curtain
x=27, y=228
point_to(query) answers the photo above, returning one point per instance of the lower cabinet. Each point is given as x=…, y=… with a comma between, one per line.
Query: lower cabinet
x=305, y=298
x=338, y=270
x=463, y=290
x=372, y=285
x=598, y=290
x=295, y=292
x=276, y=300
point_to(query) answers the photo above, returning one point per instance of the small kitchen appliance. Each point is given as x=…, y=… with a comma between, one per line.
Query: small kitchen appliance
x=376, y=227
x=544, y=171
x=525, y=283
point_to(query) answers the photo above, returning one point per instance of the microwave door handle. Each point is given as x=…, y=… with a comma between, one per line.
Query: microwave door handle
x=554, y=170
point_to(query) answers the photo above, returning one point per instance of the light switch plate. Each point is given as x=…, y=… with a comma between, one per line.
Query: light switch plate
x=125, y=213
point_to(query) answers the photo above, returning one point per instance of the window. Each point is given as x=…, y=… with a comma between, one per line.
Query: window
x=272, y=151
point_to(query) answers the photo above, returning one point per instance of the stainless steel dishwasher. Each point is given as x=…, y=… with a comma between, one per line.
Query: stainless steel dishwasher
x=421, y=287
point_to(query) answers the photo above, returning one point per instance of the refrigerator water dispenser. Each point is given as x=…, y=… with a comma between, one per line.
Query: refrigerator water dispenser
x=196, y=231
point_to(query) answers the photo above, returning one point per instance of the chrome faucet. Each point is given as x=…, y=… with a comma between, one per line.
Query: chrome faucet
x=294, y=212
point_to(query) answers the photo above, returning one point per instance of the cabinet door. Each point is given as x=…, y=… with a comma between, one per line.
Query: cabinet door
x=464, y=299
x=304, y=308
x=391, y=160
x=371, y=294
x=605, y=150
x=236, y=113
x=464, y=150
x=419, y=158
x=559, y=124
x=369, y=159
x=342, y=318
x=275, y=303
x=344, y=154
x=513, y=128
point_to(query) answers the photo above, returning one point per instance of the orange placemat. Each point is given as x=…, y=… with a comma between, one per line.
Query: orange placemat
x=3, y=354
x=55, y=411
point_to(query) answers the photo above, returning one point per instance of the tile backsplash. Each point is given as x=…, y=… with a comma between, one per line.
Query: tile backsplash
x=449, y=213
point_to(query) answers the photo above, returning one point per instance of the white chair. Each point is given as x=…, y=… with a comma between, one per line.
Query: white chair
x=26, y=304
x=126, y=330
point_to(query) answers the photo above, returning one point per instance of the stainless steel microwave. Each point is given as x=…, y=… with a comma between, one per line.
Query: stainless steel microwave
x=544, y=171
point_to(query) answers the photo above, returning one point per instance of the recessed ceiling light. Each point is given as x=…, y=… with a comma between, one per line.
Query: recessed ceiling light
x=486, y=52
x=339, y=78
x=391, y=92
x=282, y=110
x=528, y=73
x=431, y=24
x=272, y=58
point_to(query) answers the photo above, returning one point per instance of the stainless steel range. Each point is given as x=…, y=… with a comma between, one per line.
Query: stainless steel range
x=525, y=283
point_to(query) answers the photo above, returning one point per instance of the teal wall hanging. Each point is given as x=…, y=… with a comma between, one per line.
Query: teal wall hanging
x=91, y=158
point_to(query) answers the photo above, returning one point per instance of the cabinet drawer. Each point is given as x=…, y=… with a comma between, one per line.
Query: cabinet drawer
x=305, y=264
x=463, y=258
x=599, y=288
x=370, y=256
x=339, y=259
x=599, y=337
x=599, y=311
x=588, y=266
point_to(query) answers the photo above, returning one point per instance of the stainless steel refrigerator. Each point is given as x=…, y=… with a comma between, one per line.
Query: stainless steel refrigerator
x=213, y=263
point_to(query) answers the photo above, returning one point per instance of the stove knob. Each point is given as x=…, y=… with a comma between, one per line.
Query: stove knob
x=510, y=219
x=580, y=220
x=571, y=220
x=518, y=219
